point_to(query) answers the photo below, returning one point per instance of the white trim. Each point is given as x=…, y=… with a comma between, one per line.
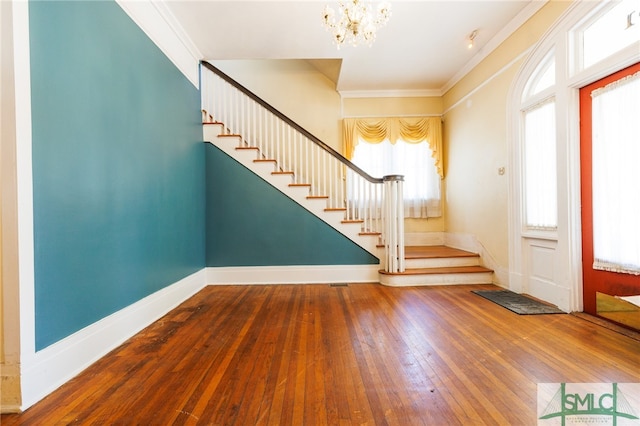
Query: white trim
x=617, y=61
x=298, y=274
x=159, y=24
x=53, y=366
x=417, y=93
x=26, y=277
x=469, y=242
x=487, y=81
x=393, y=115
x=525, y=14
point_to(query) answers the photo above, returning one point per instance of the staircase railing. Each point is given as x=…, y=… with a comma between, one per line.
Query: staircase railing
x=363, y=198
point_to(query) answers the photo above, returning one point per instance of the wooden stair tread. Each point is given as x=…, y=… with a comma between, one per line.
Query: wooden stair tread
x=424, y=252
x=441, y=270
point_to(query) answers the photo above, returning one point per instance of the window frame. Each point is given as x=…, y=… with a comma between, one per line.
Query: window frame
x=563, y=38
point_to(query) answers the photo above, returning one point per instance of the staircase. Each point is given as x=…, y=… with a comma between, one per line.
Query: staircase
x=424, y=265
x=367, y=210
x=284, y=180
x=438, y=265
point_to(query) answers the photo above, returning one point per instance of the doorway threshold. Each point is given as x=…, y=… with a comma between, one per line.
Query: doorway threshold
x=633, y=334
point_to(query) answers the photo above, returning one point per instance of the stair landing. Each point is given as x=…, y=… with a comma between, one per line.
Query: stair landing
x=438, y=265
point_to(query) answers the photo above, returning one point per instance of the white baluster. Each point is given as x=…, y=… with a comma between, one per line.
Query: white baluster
x=400, y=206
x=311, y=164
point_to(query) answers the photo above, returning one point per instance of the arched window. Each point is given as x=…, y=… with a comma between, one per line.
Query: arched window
x=538, y=115
x=590, y=41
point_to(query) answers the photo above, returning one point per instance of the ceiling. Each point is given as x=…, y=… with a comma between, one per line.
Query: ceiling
x=422, y=49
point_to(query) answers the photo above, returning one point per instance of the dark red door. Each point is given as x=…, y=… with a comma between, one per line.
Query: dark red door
x=600, y=286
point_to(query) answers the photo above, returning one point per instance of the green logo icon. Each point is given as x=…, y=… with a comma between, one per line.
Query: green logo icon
x=589, y=401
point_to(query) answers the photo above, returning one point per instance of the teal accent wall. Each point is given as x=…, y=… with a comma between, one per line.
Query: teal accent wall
x=251, y=223
x=118, y=166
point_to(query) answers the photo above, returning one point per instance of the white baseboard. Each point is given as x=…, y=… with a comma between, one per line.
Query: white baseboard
x=51, y=367
x=312, y=274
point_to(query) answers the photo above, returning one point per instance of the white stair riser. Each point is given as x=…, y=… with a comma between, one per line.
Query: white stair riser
x=436, y=279
x=442, y=262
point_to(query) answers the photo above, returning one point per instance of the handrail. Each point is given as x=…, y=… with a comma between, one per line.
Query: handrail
x=376, y=205
x=291, y=123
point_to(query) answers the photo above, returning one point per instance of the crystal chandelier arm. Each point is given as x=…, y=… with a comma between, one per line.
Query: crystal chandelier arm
x=356, y=23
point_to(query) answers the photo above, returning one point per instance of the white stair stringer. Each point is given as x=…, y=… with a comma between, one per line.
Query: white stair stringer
x=281, y=182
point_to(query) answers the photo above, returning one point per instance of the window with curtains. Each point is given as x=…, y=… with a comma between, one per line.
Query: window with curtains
x=615, y=175
x=411, y=147
x=421, y=188
x=539, y=146
x=540, y=166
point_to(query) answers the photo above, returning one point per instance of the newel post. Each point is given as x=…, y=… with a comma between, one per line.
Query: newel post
x=393, y=231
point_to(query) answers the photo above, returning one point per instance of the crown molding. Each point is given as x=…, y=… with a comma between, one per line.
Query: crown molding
x=157, y=21
x=425, y=93
x=522, y=17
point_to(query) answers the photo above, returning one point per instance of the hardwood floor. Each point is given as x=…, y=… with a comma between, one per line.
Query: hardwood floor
x=338, y=355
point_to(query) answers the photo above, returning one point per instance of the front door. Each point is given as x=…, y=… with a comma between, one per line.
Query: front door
x=610, y=186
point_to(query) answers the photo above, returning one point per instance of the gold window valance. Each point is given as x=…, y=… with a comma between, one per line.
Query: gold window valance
x=408, y=129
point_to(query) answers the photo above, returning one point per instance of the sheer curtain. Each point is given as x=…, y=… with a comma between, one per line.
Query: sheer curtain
x=616, y=175
x=410, y=146
x=540, y=166
x=421, y=180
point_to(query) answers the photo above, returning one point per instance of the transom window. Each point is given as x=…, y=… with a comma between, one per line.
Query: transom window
x=611, y=32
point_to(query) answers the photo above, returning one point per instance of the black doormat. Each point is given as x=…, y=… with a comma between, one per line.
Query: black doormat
x=517, y=303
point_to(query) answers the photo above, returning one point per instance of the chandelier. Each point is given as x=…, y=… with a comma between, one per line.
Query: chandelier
x=355, y=23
